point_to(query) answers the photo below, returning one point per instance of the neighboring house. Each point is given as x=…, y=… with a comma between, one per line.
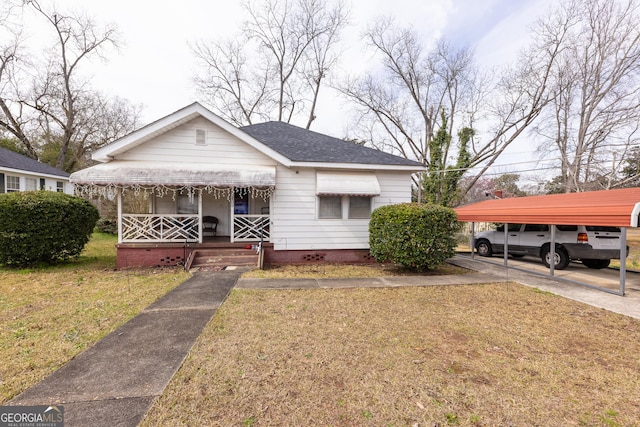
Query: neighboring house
x=21, y=173
x=308, y=196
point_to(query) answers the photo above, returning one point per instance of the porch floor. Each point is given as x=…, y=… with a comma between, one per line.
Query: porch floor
x=208, y=242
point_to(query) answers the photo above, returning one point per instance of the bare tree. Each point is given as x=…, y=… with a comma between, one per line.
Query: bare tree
x=404, y=101
x=322, y=54
x=400, y=105
x=238, y=88
x=13, y=118
x=98, y=121
x=59, y=93
x=593, y=118
x=45, y=101
x=291, y=49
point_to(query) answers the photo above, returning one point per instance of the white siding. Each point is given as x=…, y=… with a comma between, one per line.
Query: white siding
x=395, y=187
x=294, y=214
x=50, y=184
x=179, y=145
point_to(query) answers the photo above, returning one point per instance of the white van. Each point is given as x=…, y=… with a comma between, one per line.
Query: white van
x=595, y=246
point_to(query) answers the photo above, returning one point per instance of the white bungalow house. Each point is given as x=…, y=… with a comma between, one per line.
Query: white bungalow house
x=306, y=196
x=21, y=173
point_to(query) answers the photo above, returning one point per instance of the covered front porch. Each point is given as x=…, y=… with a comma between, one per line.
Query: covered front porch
x=175, y=204
x=196, y=217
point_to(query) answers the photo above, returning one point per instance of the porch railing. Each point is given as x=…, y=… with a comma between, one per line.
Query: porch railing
x=160, y=228
x=183, y=227
x=248, y=228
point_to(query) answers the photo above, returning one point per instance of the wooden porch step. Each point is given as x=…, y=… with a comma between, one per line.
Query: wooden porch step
x=223, y=257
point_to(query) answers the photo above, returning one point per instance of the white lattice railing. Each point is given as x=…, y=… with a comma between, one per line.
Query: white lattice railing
x=160, y=228
x=250, y=227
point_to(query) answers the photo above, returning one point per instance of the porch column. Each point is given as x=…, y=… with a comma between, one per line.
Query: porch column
x=119, y=203
x=232, y=215
x=200, y=227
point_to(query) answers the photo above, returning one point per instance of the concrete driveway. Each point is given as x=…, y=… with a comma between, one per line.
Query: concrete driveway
x=608, y=278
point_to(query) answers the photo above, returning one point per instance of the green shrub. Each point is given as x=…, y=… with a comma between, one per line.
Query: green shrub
x=416, y=236
x=107, y=226
x=43, y=227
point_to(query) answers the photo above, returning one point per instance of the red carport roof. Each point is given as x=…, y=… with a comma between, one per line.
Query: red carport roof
x=608, y=207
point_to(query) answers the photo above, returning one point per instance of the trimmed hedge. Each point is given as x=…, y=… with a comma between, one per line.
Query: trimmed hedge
x=43, y=227
x=417, y=236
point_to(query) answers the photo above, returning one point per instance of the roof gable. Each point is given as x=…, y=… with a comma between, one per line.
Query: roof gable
x=303, y=145
x=173, y=120
x=287, y=144
x=12, y=160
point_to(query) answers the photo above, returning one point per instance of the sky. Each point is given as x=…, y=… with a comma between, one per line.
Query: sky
x=154, y=67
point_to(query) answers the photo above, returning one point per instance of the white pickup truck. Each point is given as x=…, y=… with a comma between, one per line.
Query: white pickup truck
x=595, y=246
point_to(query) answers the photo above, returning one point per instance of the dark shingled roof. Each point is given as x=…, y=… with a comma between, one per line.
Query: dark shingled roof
x=12, y=160
x=302, y=145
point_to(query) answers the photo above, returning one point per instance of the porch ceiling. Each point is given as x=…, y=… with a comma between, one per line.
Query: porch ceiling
x=141, y=173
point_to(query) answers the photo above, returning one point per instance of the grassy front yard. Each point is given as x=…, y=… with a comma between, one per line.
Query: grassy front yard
x=49, y=315
x=483, y=355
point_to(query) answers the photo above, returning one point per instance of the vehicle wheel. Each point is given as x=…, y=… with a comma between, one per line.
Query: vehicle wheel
x=484, y=247
x=596, y=263
x=561, y=258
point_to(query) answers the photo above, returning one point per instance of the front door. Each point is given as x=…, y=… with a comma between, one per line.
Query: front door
x=219, y=208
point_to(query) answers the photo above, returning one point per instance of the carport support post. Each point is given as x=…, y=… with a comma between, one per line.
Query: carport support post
x=552, y=250
x=623, y=258
x=506, y=243
x=473, y=238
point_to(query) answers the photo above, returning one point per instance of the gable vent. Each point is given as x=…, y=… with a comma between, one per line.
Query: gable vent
x=201, y=137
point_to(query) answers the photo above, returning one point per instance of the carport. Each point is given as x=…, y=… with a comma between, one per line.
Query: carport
x=619, y=208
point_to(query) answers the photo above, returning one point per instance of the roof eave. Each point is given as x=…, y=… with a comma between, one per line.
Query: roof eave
x=358, y=166
x=34, y=173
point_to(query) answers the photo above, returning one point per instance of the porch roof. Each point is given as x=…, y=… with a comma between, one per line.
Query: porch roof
x=146, y=173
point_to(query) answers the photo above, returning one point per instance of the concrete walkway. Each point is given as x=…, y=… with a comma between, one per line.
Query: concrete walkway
x=115, y=382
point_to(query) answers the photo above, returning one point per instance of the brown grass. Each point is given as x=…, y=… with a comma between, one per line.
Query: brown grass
x=48, y=315
x=335, y=271
x=483, y=355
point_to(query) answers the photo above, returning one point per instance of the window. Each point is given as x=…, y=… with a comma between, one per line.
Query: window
x=359, y=207
x=30, y=184
x=187, y=205
x=13, y=183
x=512, y=227
x=330, y=207
x=201, y=137
x=60, y=186
x=603, y=228
x=536, y=227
